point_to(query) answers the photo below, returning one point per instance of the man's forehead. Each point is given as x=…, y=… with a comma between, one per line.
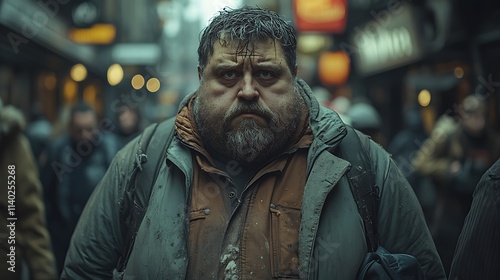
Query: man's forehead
x=264, y=49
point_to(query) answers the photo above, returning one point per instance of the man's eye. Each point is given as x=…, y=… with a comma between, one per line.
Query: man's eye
x=228, y=75
x=265, y=75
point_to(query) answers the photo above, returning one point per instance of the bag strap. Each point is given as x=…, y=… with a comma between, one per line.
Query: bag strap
x=362, y=184
x=152, y=144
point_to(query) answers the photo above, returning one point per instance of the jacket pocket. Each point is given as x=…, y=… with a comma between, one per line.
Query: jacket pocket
x=285, y=224
x=196, y=218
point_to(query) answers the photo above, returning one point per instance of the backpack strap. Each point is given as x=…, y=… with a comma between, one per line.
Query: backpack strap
x=134, y=203
x=362, y=183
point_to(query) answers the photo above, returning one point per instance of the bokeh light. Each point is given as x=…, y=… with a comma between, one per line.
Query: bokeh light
x=115, y=74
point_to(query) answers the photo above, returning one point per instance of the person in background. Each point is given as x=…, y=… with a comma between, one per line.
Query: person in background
x=129, y=120
x=28, y=235
x=365, y=118
x=455, y=156
x=77, y=160
x=249, y=187
x=477, y=255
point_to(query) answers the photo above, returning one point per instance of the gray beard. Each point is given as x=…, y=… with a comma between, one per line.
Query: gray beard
x=250, y=142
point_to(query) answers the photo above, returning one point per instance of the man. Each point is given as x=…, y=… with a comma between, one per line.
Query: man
x=477, y=255
x=455, y=156
x=24, y=235
x=249, y=189
x=129, y=119
x=76, y=162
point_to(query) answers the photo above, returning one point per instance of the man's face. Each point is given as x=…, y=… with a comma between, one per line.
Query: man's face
x=83, y=126
x=474, y=122
x=128, y=120
x=247, y=107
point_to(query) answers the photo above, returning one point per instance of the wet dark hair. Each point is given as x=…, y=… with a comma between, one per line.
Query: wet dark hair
x=248, y=26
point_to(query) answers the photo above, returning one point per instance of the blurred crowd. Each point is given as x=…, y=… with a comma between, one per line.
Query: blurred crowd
x=57, y=167
x=442, y=164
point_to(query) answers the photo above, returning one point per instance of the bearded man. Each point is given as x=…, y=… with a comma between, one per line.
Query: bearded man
x=248, y=188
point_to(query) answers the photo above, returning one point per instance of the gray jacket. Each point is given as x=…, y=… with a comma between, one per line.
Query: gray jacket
x=331, y=240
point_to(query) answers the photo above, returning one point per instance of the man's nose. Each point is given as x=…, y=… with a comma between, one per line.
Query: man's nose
x=248, y=89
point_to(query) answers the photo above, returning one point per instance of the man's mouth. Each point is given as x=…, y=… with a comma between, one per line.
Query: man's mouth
x=258, y=118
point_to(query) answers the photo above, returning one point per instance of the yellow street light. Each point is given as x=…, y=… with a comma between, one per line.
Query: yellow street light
x=424, y=98
x=78, y=72
x=115, y=74
x=137, y=81
x=153, y=85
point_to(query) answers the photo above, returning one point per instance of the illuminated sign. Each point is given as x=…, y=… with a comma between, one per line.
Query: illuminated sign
x=320, y=15
x=384, y=43
x=101, y=33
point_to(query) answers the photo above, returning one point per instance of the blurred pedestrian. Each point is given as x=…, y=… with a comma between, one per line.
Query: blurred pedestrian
x=249, y=187
x=129, y=120
x=24, y=238
x=456, y=155
x=77, y=160
x=365, y=118
x=477, y=255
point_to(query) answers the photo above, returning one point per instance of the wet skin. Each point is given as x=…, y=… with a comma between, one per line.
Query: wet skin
x=261, y=76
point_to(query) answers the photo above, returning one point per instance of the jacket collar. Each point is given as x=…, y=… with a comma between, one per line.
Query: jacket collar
x=326, y=125
x=188, y=134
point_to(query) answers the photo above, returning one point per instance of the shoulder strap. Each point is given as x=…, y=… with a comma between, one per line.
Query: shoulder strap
x=362, y=183
x=159, y=139
x=133, y=205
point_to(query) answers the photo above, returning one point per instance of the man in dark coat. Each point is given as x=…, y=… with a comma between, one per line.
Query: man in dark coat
x=76, y=162
x=477, y=255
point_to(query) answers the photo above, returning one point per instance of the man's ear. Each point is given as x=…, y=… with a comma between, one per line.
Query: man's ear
x=199, y=72
x=294, y=70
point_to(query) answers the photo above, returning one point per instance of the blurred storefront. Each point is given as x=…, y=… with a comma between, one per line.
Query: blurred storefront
x=424, y=54
x=427, y=54
x=57, y=52
x=37, y=56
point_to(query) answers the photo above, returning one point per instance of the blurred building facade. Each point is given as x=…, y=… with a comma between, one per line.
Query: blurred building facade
x=139, y=53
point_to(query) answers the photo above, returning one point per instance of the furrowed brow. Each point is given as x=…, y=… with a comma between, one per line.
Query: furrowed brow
x=225, y=67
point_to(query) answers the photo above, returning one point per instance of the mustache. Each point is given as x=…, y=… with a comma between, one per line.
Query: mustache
x=250, y=108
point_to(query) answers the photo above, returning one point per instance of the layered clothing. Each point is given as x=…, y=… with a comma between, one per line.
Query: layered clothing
x=294, y=216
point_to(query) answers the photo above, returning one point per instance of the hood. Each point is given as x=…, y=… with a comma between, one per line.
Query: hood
x=327, y=126
x=11, y=121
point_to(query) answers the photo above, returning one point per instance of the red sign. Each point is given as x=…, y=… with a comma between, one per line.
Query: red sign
x=320, y=15
x=333, y=67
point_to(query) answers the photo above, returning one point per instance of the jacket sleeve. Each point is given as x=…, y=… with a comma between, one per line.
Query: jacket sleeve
x=401, y=225
x=97, y=239
x=32, y=229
